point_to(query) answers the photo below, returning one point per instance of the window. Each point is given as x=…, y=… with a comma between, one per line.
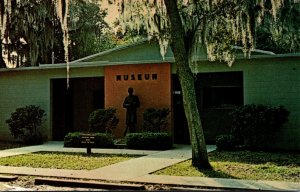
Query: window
x=222, y=97
x=220, y=89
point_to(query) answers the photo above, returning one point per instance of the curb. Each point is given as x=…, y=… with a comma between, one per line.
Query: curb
x=87, y=184
x=6, y=178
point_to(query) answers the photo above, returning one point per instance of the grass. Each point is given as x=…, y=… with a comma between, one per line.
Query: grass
x=60, y=160
x=243, y=165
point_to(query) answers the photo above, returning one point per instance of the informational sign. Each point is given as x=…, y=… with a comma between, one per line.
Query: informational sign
x=87, y=140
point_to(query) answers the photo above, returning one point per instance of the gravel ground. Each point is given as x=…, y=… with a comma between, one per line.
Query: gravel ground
x=26, y=183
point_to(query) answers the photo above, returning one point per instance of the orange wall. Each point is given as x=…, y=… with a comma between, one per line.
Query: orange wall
x=151, y=92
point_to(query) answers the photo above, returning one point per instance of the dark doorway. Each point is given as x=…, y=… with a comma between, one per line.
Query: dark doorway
x=217, y=93
x=181, y=131
x=72, y=106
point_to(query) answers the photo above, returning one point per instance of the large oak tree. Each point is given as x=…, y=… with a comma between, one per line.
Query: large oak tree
x=188, y=26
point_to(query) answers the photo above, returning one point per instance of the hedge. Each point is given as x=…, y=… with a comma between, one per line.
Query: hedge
x=149, y=140
x=255, y=124
x=227, y=143
x=101, y=140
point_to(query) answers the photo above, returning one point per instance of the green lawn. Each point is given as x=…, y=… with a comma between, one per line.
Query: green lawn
x=244, y=165
x=60, y=160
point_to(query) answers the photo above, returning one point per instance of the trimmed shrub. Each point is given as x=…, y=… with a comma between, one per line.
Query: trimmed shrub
x=101, y=140
x=103, y=120
x=149, y=140
x=25, y=122
x=255, y=124
x=226, y=143
x=155, y=120
x=72, y=140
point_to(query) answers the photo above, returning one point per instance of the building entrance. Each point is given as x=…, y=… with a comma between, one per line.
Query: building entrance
x=71, y=107
x=218, y=94
x=181, y=131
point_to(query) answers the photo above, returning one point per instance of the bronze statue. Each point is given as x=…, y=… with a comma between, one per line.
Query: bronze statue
x=131, y=102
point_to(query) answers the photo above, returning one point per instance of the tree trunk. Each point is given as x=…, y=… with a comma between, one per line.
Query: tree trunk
x=199, y=152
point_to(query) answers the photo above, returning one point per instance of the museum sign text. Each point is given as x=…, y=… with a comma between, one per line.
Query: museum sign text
x=138, y=77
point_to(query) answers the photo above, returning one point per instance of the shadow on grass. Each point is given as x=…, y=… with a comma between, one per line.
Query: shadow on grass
x=215, y=174
x=257, y=157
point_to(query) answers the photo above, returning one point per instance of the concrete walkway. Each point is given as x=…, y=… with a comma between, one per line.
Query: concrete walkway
x=138, y=169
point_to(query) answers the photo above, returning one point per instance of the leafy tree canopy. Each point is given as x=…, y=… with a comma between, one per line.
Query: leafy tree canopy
x=217, y=25
x=89, y=32
x=28, y=29
x=35, y=31
x=283, y=34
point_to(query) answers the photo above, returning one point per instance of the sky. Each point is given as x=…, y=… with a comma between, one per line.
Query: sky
x=112, y=11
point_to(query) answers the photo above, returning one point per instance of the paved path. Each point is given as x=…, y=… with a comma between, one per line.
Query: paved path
x=58, y=146
x=154, y=160
x=144, y=165
x=138, y=169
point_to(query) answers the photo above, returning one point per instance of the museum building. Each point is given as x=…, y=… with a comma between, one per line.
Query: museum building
x=102, y=80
